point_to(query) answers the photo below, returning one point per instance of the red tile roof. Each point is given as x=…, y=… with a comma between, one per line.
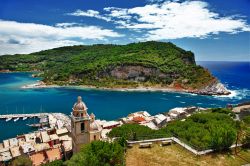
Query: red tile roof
x=138, y=119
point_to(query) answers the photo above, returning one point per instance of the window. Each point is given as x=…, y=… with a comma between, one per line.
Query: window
x=82, y=127
x=94, y=137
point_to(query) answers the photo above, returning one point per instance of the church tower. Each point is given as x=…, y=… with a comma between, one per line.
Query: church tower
x=80, y=125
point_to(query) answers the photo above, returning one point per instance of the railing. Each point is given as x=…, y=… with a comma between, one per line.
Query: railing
x=179, y=142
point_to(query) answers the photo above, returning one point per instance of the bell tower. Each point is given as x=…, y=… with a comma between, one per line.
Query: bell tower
x=80, y=125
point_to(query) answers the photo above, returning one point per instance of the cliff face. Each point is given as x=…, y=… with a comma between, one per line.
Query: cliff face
x=137, y=64
x=136, y=73
x=141, y=74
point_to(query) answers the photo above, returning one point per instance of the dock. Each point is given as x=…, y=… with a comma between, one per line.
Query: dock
x=12, y=116
x=55, y=119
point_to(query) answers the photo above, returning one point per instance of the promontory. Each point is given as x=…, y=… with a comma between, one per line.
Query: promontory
x=148, y=65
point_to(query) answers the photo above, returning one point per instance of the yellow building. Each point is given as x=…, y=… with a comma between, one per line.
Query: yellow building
x=84, y=129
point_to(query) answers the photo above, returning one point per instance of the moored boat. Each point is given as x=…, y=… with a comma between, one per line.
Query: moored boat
x=16, y=119
x=8, y=119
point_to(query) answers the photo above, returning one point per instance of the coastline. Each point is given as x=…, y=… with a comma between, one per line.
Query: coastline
x=41, y=84
x=215, y=88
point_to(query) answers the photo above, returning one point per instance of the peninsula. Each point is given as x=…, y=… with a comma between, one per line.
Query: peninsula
x=137, y=66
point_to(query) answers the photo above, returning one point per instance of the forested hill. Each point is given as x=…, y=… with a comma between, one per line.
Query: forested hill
x=137, y=64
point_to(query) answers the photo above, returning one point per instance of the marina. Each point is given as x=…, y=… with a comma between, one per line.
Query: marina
x=16, y=117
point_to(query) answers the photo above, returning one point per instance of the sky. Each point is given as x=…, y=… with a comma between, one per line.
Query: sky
x=215, y=30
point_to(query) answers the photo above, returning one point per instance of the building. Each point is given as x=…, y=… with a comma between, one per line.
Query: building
x=137, y=117
x=84, y=129
x=95, y=129
x=242, y=110
x=177, y=113
x=160, y=120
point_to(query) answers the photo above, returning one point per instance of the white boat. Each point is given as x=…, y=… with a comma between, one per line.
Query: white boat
x=24, y=118
x=8, y=119
x=16, y=119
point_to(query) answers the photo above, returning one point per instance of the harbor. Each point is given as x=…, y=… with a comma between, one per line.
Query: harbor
x=52, y=138
x=23, y=116
x=58, y=139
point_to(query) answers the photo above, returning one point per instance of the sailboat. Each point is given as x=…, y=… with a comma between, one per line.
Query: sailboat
x=24, y=118
x=8, y=119
x=16, y=119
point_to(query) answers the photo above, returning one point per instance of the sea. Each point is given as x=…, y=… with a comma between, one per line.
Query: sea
x=111, y=105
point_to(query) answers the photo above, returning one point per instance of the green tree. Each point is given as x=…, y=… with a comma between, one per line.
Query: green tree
x=22, y=161
x=54, y=163
x=98, y=153
x=222, y=137
x=246, y=131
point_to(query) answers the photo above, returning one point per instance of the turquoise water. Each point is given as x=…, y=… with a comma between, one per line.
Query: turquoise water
x=111, y=104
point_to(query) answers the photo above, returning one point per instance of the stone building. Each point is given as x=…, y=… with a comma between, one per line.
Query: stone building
x=84, y=129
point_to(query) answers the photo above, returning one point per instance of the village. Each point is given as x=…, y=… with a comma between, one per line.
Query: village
x=62, y=135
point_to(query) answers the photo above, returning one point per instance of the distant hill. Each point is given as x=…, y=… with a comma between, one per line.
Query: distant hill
x=146, y=64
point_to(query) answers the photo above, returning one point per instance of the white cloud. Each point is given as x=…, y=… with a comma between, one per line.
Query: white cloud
x=174, y=20
x=89, y=13
x=19, y=37
x=67, y=24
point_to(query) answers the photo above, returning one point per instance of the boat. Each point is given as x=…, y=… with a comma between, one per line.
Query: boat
x=16, y=119
x=35, y=125
x=24, y=118
x=8, y=119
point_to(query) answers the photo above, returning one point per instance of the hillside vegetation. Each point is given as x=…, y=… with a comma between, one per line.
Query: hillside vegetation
x=202, y=131
x=137, y=64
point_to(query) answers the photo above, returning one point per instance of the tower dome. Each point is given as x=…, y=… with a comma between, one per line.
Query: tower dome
x=92, y=117
x=80, y=108
x=80, y=105
x=94, y=126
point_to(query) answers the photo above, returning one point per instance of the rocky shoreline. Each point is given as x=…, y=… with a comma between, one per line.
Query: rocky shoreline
x=216, y=88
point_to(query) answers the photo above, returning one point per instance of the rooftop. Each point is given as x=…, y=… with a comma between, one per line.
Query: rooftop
x=15, y=151
x=45, y=136
x=65, y=138
x=67, y=145
x=30, y=137
x=241, y=108
x=62, y=131
x=5, y=156
x=110, y=123
x=142, y=113
x=41, y=147
x=138, y=119
x=53, y=154
x=38, y=158
x=6, y=143
x=27, y=148
x=150, y=125
x=53, y=137
x=13, y=142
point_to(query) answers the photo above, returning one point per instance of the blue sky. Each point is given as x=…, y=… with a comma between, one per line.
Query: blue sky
x=214, y=30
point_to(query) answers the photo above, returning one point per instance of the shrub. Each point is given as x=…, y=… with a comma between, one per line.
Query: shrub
x=98, y=153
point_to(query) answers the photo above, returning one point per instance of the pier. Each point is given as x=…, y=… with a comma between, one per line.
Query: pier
x=10, y=116
x=55, y=119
